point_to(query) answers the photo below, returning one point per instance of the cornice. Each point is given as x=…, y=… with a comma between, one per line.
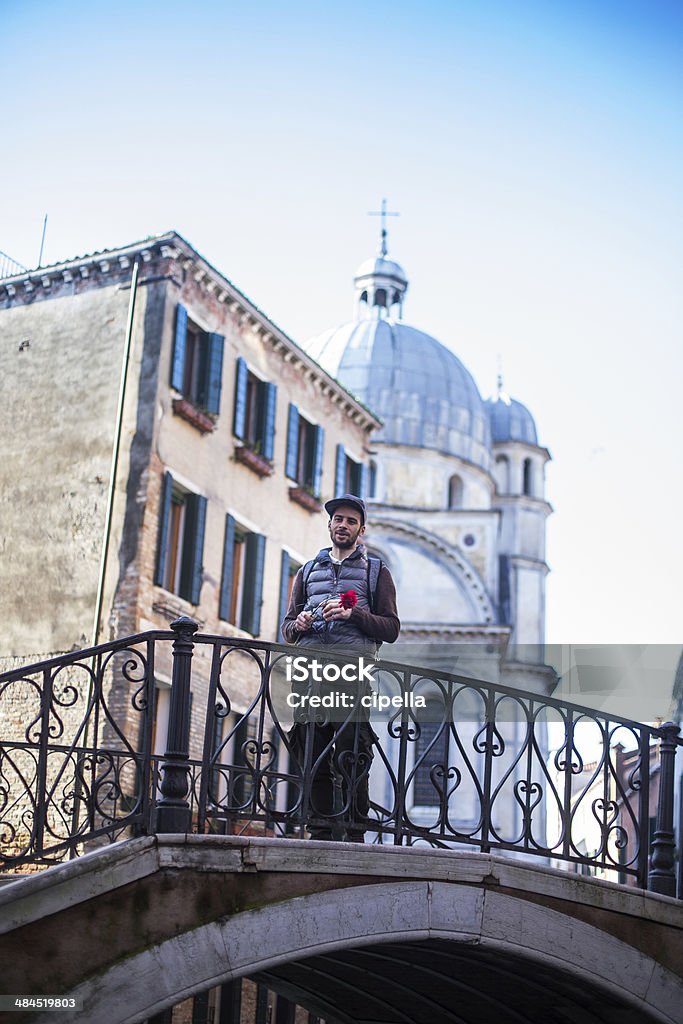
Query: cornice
x=171, y=246
x=525, y=562
x=523, y=501
x=499, y=447
x=442, y=630
x=263, y=327
x=384, y=508
x=43, y=279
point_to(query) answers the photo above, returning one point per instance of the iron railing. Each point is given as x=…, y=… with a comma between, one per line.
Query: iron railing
x=9, y=267
x=471, y=762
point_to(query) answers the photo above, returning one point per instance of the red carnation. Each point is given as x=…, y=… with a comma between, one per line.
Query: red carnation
x=349, y=599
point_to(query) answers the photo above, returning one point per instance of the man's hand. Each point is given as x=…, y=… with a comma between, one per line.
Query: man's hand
x=334, y=610
x=304, y=621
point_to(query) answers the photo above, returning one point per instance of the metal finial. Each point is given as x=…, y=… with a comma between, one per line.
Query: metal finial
x=499, y=378
x=383, y=213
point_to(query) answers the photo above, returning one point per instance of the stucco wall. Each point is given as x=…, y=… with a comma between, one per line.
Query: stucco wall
x=61, y=367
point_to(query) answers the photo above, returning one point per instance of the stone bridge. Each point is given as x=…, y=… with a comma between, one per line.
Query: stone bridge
x=379, y=935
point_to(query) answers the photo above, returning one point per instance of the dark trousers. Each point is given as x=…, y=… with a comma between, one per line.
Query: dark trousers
x=341, y=752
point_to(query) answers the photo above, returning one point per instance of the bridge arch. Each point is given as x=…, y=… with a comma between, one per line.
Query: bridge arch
x=461, y=929
x=406, y=936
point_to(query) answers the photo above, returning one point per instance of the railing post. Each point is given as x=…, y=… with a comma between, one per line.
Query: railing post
x=173, y=811
x=662, y=877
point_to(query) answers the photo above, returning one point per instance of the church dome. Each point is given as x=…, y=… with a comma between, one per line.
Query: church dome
x=510, y=420
x=418, y=388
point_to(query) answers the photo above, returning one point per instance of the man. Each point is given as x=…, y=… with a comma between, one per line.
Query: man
x=318, y=618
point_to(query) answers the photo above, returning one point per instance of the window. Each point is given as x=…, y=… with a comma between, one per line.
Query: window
x=350, y=476
x=181, y=540
x=372, y=479
x=502, y=474
x=242, y=579
x=288, y=570
x=527, y=473
x=456, y=491
x=254, y=422
x=304, y=451
x=197, y=366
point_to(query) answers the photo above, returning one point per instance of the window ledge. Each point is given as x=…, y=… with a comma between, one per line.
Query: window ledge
x=170, y=606
x=306, y=500
x=199, y=419
x=260, y=465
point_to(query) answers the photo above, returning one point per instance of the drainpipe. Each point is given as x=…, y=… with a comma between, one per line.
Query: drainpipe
x=115, y=456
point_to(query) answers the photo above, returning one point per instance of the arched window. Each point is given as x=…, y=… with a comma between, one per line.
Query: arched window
x=527, y=477
x=455, y=492
x=372, y=479
x=502, y=474
x=381, y=297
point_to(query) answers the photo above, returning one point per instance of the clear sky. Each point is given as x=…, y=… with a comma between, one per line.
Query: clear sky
x=533, y=150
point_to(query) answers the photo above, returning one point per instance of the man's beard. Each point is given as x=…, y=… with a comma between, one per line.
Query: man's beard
x=344, y=542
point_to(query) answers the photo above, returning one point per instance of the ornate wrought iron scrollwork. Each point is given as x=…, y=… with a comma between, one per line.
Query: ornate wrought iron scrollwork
x=80, y=766
x=568, y=758
x=489, y=738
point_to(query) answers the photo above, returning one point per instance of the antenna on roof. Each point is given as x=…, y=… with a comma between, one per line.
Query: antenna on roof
x=42, y=242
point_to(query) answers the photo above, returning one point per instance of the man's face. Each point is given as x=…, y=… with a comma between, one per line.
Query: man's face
x=346, y=527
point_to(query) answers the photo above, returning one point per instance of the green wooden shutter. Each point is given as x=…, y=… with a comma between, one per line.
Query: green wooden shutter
x=284, y=594
x=193, y=548
x=240, y=399
x=214, y=373
x=178, y=362
x=253, y=583
x=340, y=471
x=164, y=527
x=269, y=420
x=226, y=578
x=292, y=441
x=318, y=461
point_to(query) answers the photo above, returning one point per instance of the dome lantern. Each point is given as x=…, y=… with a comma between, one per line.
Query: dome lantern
x=380, y=283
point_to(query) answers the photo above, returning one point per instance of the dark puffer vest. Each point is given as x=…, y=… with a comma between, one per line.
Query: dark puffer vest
x=327, y=579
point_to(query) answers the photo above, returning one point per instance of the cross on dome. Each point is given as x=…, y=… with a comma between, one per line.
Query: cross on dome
x=383, y=213
x=381, y=283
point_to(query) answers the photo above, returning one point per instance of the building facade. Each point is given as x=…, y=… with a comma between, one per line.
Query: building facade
x=231, y=439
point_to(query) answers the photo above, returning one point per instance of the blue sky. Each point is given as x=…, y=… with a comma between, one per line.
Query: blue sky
x=532, y=149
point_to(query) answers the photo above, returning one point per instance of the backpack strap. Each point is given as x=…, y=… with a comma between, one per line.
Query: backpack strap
x=307, y=570
x=374, y=569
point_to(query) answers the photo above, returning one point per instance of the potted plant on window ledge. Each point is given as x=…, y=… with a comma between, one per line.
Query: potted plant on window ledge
x=188, y=411
x=251, y=456
x=303, y=495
